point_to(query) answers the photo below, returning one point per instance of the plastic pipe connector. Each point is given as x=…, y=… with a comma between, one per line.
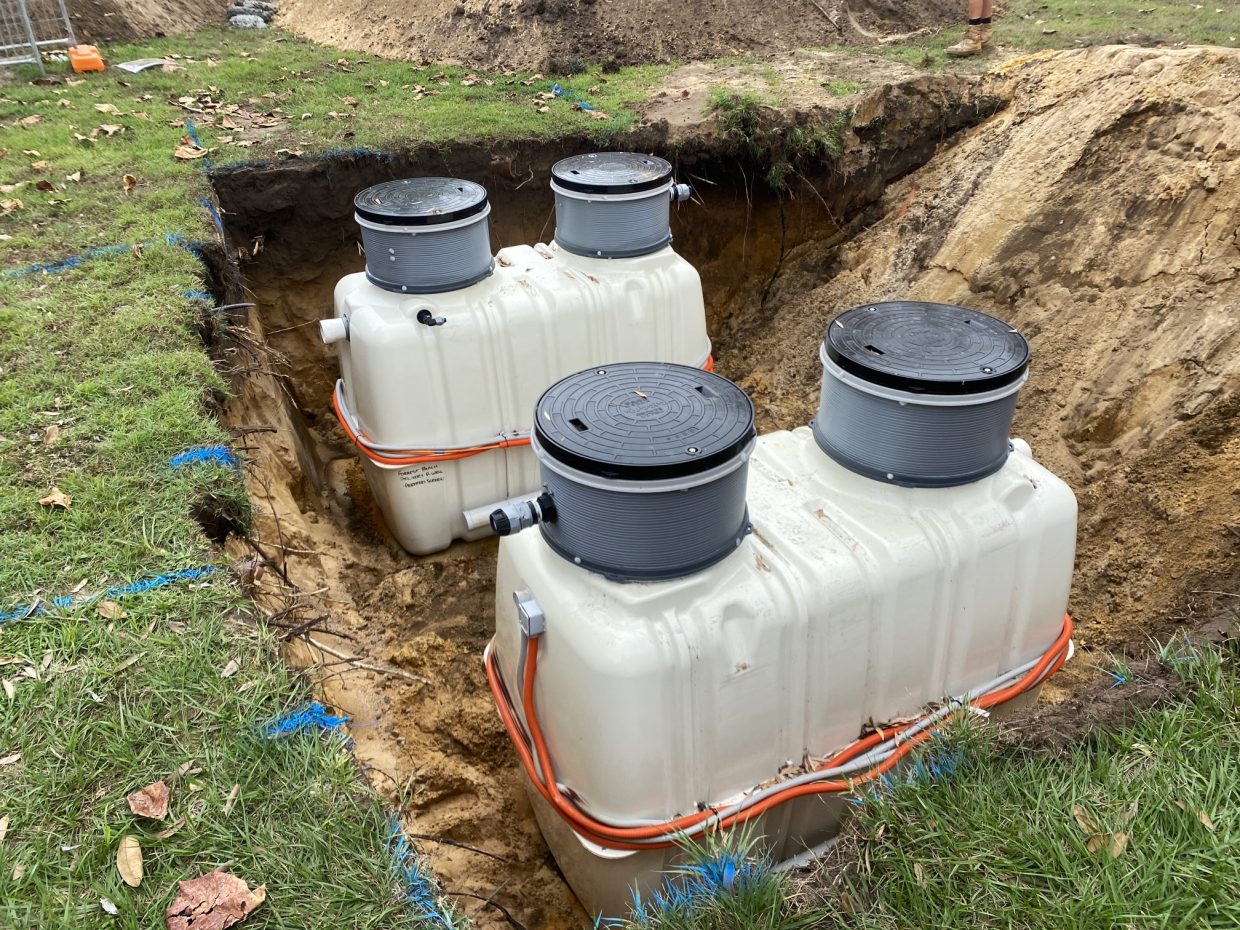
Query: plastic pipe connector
x=334, y=330
x=510, y=517
x=682, y=192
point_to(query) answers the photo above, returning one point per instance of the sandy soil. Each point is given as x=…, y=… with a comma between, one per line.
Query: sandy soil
x=1098, y=213
x=560, y=35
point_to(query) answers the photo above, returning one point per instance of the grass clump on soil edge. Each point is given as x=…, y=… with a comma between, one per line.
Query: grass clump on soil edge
x=746, y=120
x=1133, y=828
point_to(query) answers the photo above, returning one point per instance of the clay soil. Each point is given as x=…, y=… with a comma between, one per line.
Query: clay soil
x=103, y=21
x=1094, y=205
x=560, y=35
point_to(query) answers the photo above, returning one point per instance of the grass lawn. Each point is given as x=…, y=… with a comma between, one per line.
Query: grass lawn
x=104, y=382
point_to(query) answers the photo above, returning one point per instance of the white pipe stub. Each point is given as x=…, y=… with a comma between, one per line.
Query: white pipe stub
x=334, y=330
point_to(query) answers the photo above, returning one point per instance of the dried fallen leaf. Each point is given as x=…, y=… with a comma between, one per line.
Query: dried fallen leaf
x=213, y=901
x=44, y=185
x=129, y=182
x=919, y=874
x=188, y=152
x=40, y=166
x=10, y=689
x=111, y=128
x=110, y=610
x=230, y=669
x=1205, y=820
x=598, y=114
x=76, y=176
x=232, y=799
x=4, y=827
x=171, y=831
x=107, y=108
x=9, y=206
x=57, y=499
x=30, y=120
x=11, y=758
x=18, y=872
x=50, y=434
x=1113, y=844
x=129, y=861
x=108, y=907
x=1084, y=820
x=151, y=801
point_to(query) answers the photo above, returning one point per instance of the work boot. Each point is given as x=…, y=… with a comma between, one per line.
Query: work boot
x=976, y=38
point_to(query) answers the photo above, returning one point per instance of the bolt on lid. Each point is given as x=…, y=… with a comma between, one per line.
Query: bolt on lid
x=644, y=421
x=611, y=173
x=420, y=201
x=927, y=348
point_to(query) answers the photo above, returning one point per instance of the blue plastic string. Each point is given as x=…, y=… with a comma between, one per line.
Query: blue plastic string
x=310, y=716
x=581, y=102
x=124, y=590
x=73, y=261
x=215, y=454
x=418, y=887
x=723, y=873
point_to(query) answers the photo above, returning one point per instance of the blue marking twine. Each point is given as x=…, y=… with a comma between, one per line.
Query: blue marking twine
x=689, y=886
x=123, y=590
x=193, y=133
x=310, y=716
x=199, y=295
x=215, y=214
x=581, y=102
x=418, y=887
x=64, y=264
x=216, y=454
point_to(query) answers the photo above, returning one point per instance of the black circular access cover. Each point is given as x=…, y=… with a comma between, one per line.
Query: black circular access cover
x=420, y=201
x=611, y=173
x=928, y=348
x=644, y=421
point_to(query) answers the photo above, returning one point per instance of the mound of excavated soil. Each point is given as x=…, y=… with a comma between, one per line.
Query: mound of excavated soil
x=101, y=21
x=560, y=35
x=1099, y=214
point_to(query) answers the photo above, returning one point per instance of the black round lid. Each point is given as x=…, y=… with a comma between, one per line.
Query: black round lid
x=420, y=201
x=644, y=421
x=611, y=173
x=928, y=348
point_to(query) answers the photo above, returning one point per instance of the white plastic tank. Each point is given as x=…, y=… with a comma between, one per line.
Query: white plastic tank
x=443, y=351
x=854, y=600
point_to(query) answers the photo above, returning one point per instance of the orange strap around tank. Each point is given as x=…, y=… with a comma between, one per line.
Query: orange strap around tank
x=423, y=456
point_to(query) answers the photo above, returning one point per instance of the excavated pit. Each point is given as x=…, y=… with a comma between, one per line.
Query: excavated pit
x=1132, y=399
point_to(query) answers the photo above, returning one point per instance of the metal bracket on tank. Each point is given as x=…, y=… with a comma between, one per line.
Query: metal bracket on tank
x=530, y=614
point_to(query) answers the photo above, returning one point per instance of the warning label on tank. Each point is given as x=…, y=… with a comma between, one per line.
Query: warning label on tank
x=421, y=474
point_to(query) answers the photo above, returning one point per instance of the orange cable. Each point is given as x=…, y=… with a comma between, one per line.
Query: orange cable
x=422, y=456
x=623, y=837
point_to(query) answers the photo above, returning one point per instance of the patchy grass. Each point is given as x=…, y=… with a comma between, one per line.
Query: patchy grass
x=250, y=96
x=118, y=704
x=1035, y=24
x=1137, y=829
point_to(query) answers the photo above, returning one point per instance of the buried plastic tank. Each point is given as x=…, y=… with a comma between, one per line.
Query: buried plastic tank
x=444, y=348
x=703, y=625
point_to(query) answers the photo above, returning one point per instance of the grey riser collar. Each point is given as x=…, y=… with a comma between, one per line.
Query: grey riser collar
x=428, y=259
x=913, y=440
